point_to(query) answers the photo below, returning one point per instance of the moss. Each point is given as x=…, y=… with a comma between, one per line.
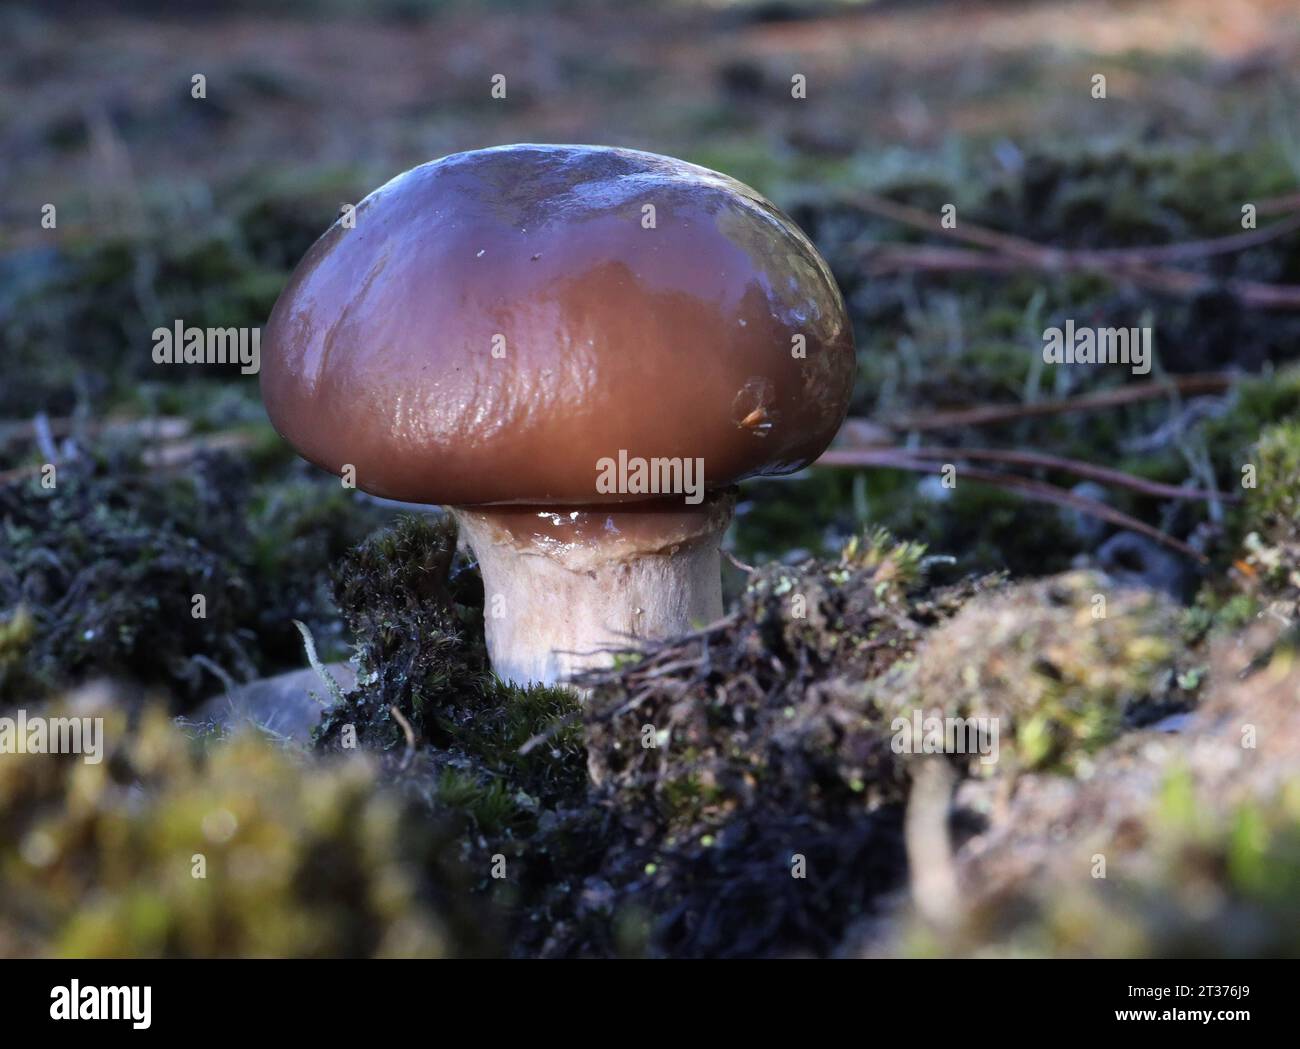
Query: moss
x=771, y=731
x=1256, y=402
x=809, y=513
x=1060, y=680
x=1167, y=845
x=17, y=631
x=416, y=611
x=975, y=340
x=988, y=529
x=728, y=760
x=237, y=848
x=90, y=305
x=298, y=530
x=1207, y=881
x=1120, y=195
x=770, y=753
x=417, y=644
x=1264, y=536
x=107, y=565
x=1275, y=503
x=794, y=631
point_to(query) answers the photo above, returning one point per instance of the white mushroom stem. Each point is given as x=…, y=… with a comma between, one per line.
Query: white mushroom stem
x=564, y=588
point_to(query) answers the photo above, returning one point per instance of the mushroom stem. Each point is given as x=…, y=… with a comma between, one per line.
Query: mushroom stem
x=563, y=588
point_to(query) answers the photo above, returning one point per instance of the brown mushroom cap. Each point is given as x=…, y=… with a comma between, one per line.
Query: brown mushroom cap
x=672, y=341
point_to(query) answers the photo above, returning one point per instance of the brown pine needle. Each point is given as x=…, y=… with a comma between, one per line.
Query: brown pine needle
x=1279, y=205
x=1007, y=252
x=986, y=414
x=1039, y=491
x=1066, y=258
x=1079, y=468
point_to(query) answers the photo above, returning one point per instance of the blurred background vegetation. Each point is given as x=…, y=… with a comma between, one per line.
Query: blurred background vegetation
x=172, y=482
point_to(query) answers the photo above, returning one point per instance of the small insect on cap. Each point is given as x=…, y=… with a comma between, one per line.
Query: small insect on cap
x=488, y=326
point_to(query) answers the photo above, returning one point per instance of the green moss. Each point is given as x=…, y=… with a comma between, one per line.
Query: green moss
x=234, y=849
x=488, y=803
x=415, y=610
x=1235, y=440
x=721, y=757
x=108, y=563
x=930, y=343
x=803, y=513
x=1276, y=501
x=1062, y=664
x=89, y=304
x=1215, y=881
x=297, y=532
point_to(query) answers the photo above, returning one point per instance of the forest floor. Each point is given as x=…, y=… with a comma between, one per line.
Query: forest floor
x=1144, y=799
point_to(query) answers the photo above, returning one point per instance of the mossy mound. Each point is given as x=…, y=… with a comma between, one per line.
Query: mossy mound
x=419, y=642
x=745, y=767
x=765, y=706
x=416, y=610
x=1062, y=664
x=1272, y=546
x=1264, y=576
x=765, y=777
x=107, y=564
x=101, y=573
x=177, y=847
x=1183, y=845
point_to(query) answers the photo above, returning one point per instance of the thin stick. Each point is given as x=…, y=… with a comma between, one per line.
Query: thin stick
x=1010, y=252
x=901, y=257
x=1050, y=462
x=1279, y=205
x=966, y=232
x=983, y=415
x=1050, y=257
x=1038, y=491
x=748, y=569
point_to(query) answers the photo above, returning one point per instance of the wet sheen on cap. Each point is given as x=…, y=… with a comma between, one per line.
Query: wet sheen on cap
x=676, y=341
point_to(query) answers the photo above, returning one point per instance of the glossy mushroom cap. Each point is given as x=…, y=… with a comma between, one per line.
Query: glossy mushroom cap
x=500, y=320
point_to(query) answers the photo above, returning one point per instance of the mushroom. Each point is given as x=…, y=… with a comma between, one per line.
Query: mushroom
x=579, y=350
